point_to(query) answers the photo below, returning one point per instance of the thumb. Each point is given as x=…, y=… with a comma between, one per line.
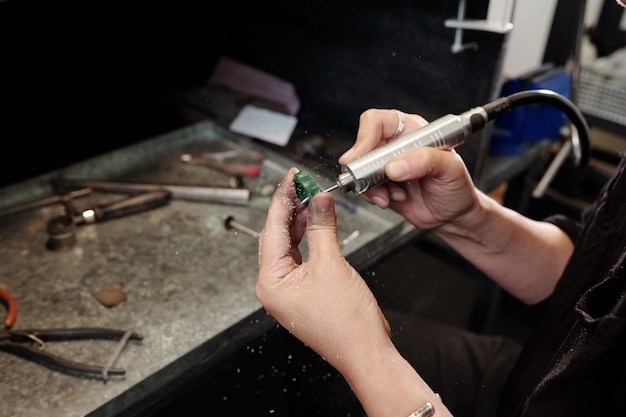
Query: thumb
x=322, y=226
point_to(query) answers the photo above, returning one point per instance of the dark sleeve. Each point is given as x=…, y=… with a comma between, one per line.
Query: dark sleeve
x=570, y=226
x=611, y=193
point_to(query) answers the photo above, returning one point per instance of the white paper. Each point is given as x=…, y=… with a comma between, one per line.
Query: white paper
x=267, y=125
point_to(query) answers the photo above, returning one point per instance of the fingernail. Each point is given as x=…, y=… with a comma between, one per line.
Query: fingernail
x=398, y=196
x=398, y=169
x=321, y=205
x=380, y=202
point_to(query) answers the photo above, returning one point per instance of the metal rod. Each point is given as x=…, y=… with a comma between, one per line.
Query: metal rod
x=238, y=196
x=552, y=170
x=230, y=223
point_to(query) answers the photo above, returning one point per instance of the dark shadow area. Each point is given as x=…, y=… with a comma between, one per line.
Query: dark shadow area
x=275, y=376
x=81, y=79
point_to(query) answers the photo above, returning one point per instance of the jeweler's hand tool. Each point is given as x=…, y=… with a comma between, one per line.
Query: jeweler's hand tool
x=134, y=204
x=229, y=168
x=230, y=223
x=62, y=229
x=450, y=131
x=238, y=154
x=30, y=343
x=59, y=198
x=239, y=196
x=9, y=303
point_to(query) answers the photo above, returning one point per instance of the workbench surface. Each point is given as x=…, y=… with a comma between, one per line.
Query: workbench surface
x=189, y=281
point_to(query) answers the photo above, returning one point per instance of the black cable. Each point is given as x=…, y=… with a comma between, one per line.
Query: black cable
x=582, y=142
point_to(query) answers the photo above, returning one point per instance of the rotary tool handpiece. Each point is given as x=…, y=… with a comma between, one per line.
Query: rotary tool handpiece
x=447, y=132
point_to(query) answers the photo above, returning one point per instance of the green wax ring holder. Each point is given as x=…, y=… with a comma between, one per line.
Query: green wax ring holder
x=306, y=186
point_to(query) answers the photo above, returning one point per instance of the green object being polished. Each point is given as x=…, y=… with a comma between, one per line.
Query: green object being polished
x=306, y=186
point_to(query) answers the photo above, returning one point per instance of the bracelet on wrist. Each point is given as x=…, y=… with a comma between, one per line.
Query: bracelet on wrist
x=426, y=410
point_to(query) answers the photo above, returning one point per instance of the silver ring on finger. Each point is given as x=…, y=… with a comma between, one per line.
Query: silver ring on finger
x=401, y=123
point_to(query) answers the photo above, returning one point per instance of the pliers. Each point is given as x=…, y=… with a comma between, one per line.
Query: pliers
x=30, y=343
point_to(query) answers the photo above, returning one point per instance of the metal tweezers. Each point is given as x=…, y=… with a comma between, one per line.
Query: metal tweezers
x=29, y=344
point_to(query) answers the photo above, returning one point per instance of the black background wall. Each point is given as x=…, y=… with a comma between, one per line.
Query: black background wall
x=82, y=78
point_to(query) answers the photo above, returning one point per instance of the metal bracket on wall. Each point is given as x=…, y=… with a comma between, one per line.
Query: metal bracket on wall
x=499, y=20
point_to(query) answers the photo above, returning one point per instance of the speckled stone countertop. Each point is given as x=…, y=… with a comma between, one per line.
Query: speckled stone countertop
x=189, y=281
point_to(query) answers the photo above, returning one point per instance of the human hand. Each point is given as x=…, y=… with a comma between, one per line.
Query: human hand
x=429, y=187
x=326, y=304
x=323, y=301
